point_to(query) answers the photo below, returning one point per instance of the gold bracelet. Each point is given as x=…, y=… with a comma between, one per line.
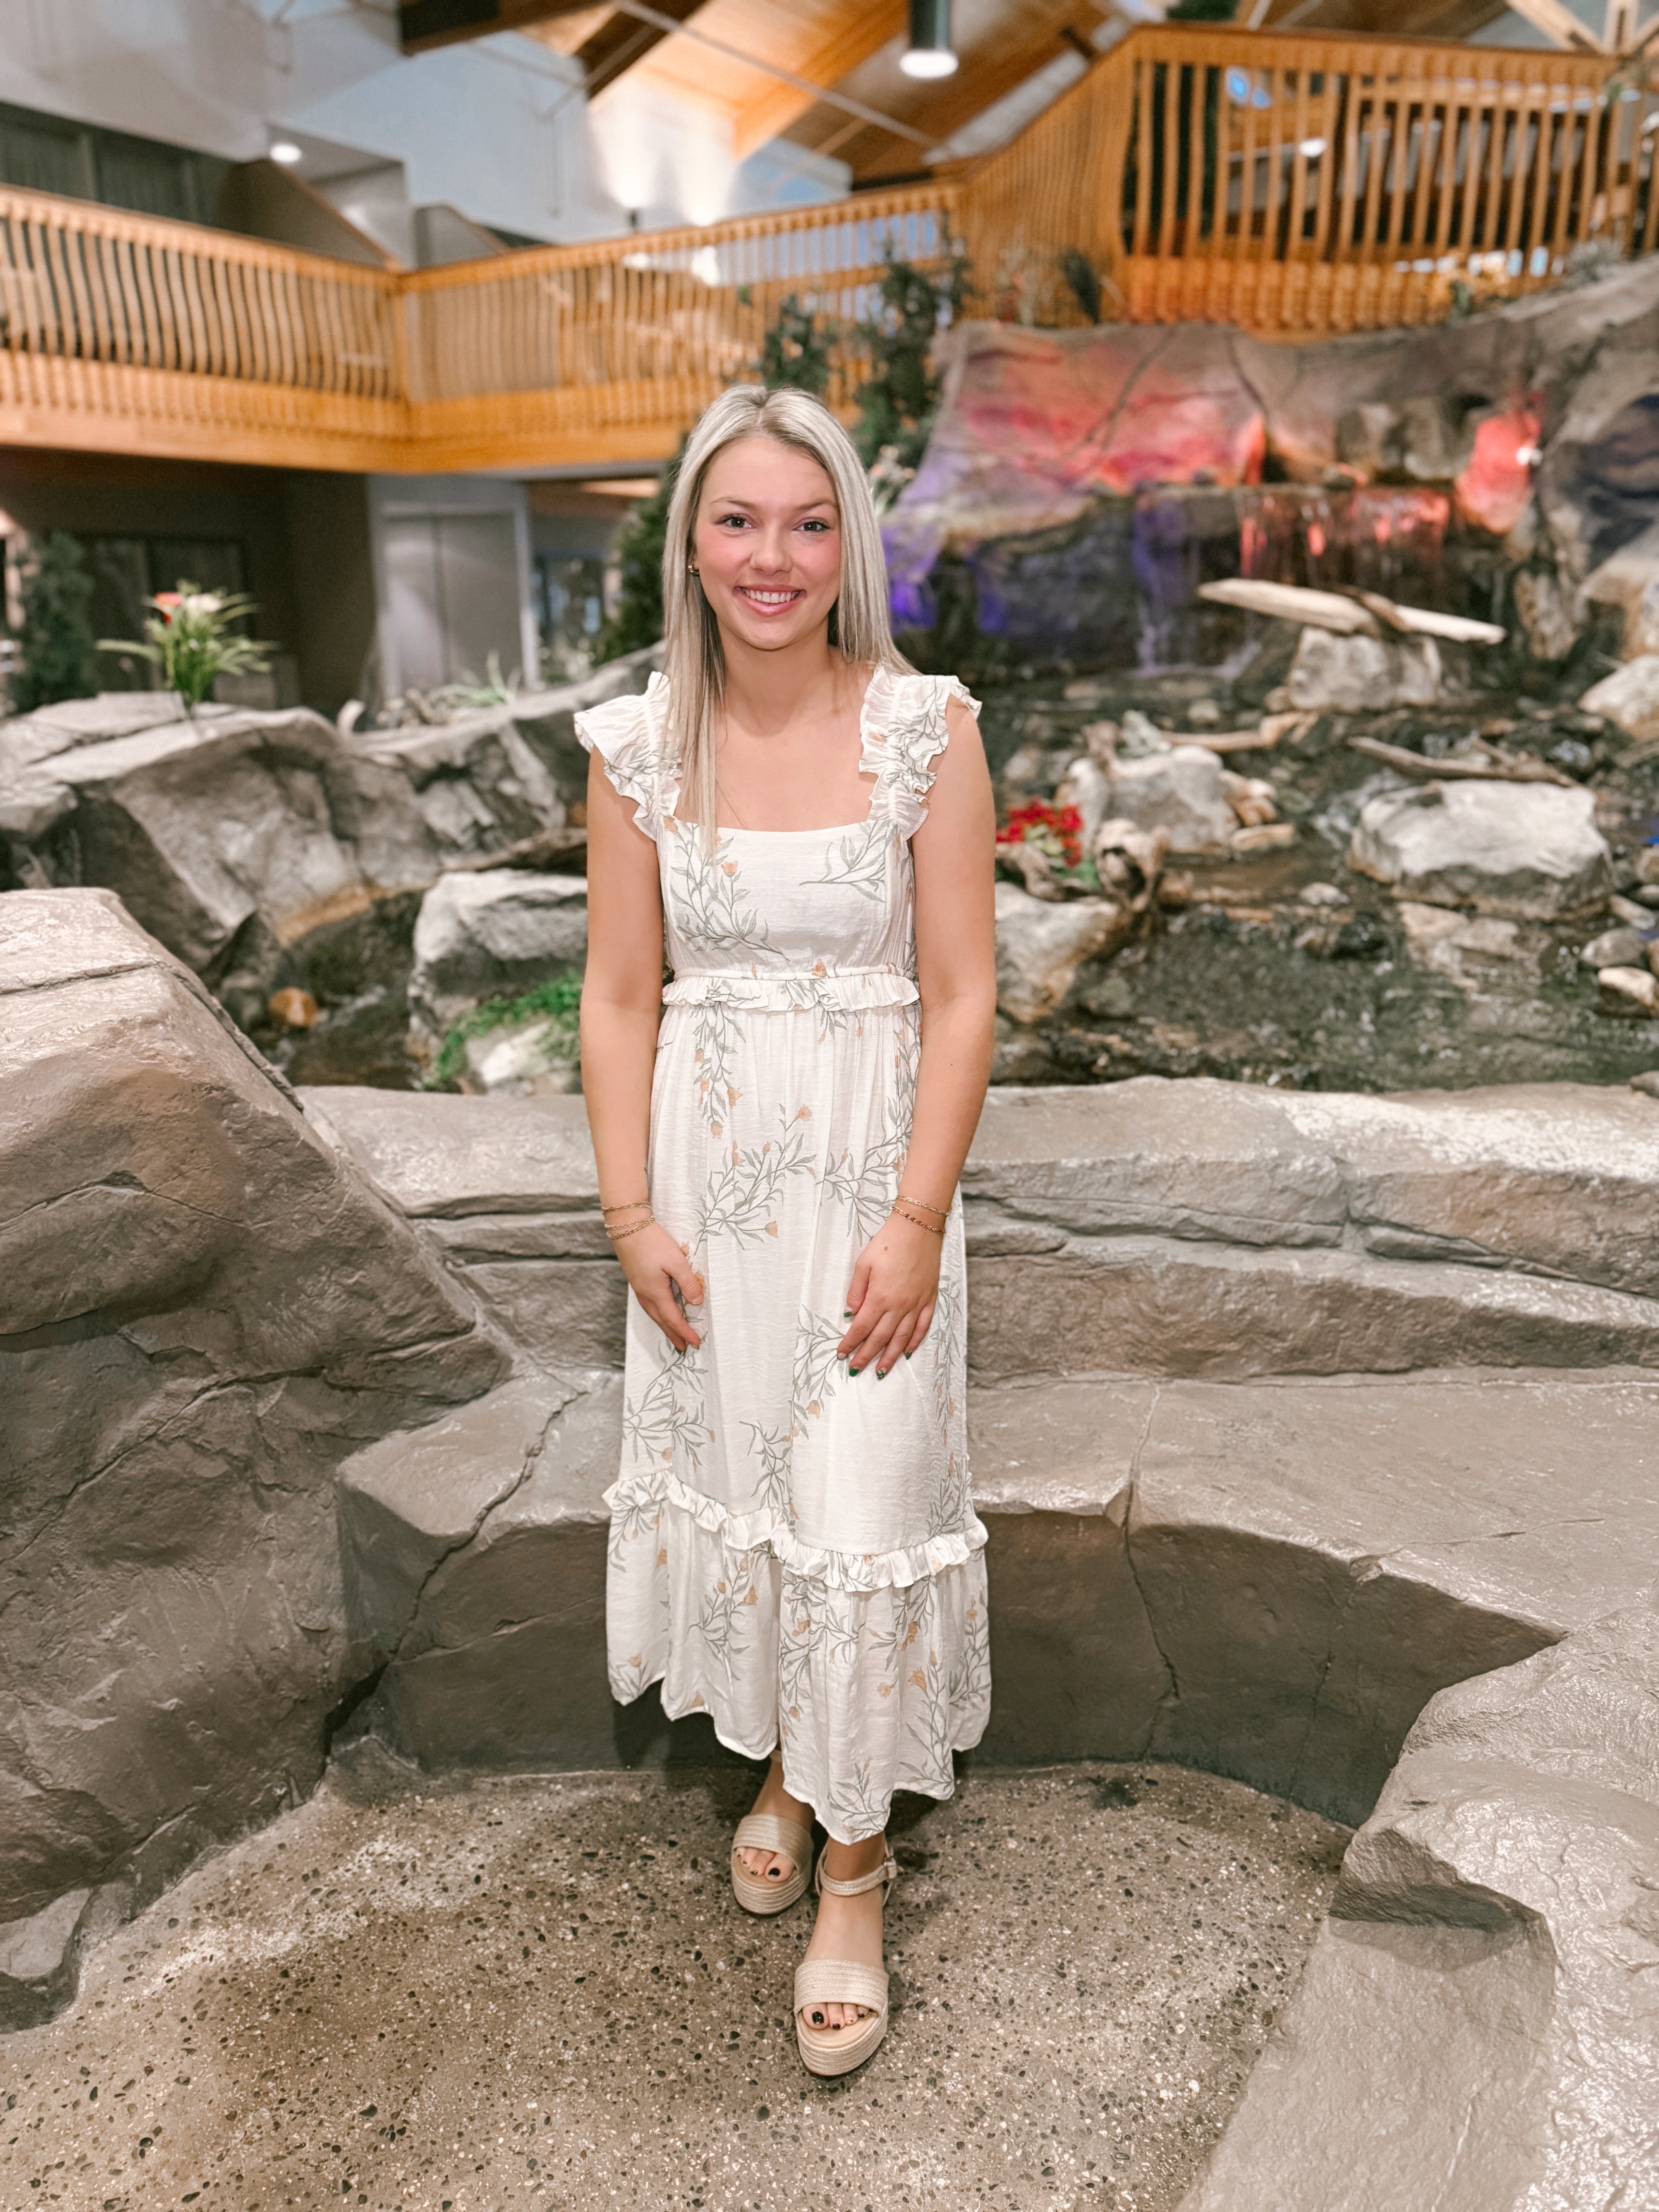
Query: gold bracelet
x=626, y=1205
x=915, y=1219
x=616, y=1234
x=943, y=1211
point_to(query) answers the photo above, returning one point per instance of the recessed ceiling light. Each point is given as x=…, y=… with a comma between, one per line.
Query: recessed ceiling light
x=287, y=152
x=930, y=52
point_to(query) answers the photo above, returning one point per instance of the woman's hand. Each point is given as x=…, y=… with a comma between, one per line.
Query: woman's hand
x=891, y=1301
x=656, y=1267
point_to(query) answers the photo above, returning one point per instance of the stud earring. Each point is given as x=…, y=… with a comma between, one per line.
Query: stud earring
x=692, y=569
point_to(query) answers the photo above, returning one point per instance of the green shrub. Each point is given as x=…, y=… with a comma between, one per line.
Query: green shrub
x=558, y=1001
x=56, y=644
x=899, y=399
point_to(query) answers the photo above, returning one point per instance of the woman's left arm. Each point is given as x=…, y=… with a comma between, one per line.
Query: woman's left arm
x=894, y=1283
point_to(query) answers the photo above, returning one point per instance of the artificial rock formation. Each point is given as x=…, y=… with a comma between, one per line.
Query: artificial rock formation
x=491, y=935
x=1528, y=849
x=1082, y=478
x=1040, y=945
x=202, y=1312
x=1269, y=1570
x=1481, y=2008
x=1288, y=1411
x=126, y=793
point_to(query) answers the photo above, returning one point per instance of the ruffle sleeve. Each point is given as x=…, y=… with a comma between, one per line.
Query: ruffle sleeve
x=904, y=733
x=629, y=734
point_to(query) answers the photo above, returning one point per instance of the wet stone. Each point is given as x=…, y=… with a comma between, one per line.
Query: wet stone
x=539, y=1991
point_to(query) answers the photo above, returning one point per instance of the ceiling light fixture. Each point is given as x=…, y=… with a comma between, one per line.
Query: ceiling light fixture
x=930, y=53
x=287, y=152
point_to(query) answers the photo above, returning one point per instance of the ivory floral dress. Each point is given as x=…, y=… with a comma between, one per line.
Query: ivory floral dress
x=794, y=1548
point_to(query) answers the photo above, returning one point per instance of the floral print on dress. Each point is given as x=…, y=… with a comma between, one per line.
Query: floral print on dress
x=794, y=1548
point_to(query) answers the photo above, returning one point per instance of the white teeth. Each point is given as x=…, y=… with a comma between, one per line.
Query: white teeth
x=771, y=598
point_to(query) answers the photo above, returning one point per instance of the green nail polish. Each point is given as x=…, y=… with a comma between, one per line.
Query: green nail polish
x=852, y=1370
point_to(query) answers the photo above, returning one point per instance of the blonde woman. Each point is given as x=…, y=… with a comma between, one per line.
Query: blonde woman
x=806, y=824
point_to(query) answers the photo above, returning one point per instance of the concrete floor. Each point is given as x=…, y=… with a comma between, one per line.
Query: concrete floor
x=540, y=1992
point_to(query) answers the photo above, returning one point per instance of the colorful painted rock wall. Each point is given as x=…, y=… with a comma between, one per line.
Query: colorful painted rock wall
x=1079, y=484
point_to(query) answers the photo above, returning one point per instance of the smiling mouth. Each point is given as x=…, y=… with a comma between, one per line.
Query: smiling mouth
x=768, y=602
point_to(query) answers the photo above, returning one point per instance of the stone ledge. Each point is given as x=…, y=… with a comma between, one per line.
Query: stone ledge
x=1173, y=1228
x=1266, y=1579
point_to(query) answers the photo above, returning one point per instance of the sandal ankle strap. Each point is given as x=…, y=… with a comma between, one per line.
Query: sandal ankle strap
x=884, y=1877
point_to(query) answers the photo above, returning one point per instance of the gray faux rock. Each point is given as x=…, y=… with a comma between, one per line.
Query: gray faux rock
x=1357, y=673
x=1631, y=994
x=1630, y=697
x=1270, y=1578
x=492, y=933
x=475, y=1568
x=1041, y=944
x=320, y=830
x=1480, y=2007
x=1623, y=947
x=203, y=1308
x=1527, y=849
x=503, y=1191
x=522, y=1060
x=1182, y=790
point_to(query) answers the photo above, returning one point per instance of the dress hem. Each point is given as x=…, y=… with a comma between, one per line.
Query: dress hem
x=700, y=1704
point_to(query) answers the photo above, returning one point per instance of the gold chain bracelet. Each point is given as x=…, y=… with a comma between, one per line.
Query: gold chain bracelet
x=943, y=1211
x=616, y=1234
x=626, y=1205
x=900, y=1206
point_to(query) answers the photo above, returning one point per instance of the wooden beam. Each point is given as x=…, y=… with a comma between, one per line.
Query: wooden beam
x=424, y=24
x=772, y=111
x=1559, y=24
x=623, y=39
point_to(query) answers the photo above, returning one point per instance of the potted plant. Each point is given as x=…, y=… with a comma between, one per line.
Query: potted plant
x=191, y=639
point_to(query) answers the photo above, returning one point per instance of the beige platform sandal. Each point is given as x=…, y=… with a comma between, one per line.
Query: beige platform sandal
x=769, y=1831
x=840, y=1981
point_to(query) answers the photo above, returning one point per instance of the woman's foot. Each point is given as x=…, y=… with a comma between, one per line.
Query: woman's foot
x=772, y=1866
x=847, y=1928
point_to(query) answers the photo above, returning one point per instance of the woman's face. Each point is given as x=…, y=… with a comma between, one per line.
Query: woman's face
x=768, y=542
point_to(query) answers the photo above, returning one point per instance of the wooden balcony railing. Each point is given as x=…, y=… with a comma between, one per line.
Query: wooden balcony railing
x=1316, y=183
x=613, y=349
x=1296, y=184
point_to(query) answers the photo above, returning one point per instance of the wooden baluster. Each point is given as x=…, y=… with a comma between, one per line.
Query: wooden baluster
x=1646, y=155
x=1328, y=125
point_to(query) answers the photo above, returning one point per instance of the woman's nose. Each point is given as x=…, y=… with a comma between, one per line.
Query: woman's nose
x=770, y=550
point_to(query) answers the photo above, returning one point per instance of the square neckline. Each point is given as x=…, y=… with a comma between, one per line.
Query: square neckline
x=829, y=828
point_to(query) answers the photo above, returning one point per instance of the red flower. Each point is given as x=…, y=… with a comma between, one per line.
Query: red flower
x=1038, y=823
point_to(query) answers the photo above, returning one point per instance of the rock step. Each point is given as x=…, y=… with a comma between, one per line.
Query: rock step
x=1161, y=1306
x=1269, y=1579
x=1175, y=1228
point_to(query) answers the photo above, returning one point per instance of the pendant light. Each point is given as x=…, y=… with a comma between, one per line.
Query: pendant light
x=930, y=52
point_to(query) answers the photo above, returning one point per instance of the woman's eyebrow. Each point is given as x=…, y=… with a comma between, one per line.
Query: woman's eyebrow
x=730, y=499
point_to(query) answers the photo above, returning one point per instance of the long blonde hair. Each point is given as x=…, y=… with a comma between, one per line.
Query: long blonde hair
x=695, y=663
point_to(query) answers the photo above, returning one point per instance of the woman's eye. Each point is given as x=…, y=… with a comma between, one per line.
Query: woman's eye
x=814, y=526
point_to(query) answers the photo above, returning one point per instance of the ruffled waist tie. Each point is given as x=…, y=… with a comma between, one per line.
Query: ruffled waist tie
x=795, y=990
x=763, y=1531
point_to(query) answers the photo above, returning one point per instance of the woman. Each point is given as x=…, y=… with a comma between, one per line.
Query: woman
x=809, y=822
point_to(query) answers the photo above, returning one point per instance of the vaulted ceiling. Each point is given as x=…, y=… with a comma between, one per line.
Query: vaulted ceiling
x=763, y=68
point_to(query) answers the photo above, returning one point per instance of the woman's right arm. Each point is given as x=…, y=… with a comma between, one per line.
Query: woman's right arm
x=622, y=1006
